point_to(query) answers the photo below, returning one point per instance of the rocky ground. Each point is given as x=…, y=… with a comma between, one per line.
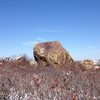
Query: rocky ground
x=25, y=82
x=20, y=80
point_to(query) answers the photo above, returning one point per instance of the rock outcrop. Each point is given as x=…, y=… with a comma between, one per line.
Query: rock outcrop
x=87, y=64
x=51, y=53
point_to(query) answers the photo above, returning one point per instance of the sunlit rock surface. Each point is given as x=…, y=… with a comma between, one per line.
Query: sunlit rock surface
x=87, y=64
x=51, y=53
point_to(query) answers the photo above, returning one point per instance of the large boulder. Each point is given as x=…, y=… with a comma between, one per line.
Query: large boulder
x=51, y=53
x=87, y=64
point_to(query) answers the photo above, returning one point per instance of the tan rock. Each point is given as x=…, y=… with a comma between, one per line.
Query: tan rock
x=87, y=64
x=51, y=53
x=33, y=62
x=22, y=60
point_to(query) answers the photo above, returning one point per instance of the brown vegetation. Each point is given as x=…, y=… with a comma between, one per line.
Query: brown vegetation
x=25, y=82
x=24, y=79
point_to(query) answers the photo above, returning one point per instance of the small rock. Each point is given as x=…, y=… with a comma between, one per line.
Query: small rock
x=33, y=62
x=87, y=64
x=21, y=60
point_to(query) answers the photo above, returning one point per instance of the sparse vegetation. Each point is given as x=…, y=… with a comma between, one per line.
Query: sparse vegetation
x=22, y=78
x=25, y=82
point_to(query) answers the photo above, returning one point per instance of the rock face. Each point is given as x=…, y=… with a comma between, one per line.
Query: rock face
x=51, y=53
x=87, y=64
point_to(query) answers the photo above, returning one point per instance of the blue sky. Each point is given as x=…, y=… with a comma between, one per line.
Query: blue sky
x=75, y=23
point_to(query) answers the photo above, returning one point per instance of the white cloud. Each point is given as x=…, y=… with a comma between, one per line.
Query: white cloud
x=46, y=30
x=29, y=43
x=94, y=49
x=40, y=39
x=32, y=43
x=91, y=47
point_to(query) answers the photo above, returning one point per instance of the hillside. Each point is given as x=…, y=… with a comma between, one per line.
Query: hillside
x=20, y=80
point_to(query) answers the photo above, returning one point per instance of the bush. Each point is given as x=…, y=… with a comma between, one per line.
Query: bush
x=20, y=81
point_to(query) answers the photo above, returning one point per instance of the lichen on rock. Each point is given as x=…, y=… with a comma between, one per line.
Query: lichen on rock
x=51, y=53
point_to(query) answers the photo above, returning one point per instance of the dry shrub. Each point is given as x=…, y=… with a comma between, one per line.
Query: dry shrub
x=25, y=82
